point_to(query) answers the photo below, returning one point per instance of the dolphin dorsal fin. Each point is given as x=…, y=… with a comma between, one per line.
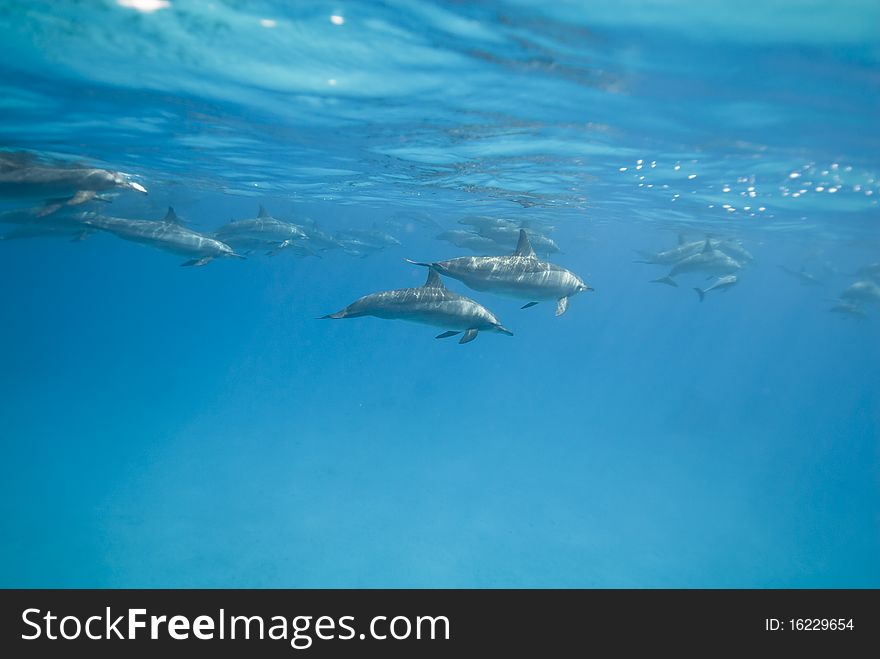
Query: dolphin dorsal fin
x=433, y=280
x=708, y=246
x=171, y=217
x=263, y=212
x=523, y=246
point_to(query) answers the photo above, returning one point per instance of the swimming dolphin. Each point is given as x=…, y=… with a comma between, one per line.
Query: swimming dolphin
x=849, y=309
x=368, y=237
x=22, y=175
x=167, y=234
x=487, y=221
x=417, y=217
x=805, y=277
x=862, y=291
x=263, y=232
x=354, y=246
x=720, y=284
x=507, y=237
x=431, y=304
x=520, y=275
x=709, y=260
x=472, y=241
x=871, y=271
x=685, y=249
x=672, y=256
x=318, y=238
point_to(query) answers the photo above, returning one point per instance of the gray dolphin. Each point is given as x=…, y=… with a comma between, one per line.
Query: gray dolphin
x=871, y=271
x=710, y=261
x=687, y=248
x=167, y=234
x=431, y=304
x=263, y=232
x=318, y=238
x=366, y=240
x=37, y=223
x=521, y=275
x=508, y=237
x=805, y=277
x=470, y=240
x=849, y=309
x=22, y=175
x=720, y=284
x=862, y=291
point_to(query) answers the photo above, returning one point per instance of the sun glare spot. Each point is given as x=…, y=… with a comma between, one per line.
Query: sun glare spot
x=145, y=6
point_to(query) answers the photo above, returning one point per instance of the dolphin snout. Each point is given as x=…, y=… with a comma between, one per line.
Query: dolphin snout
x=503, y=330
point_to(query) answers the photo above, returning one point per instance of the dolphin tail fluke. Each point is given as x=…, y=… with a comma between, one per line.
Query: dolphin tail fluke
x=469, y=336
x=446, y=335
x=669, y=281
x=701, y=293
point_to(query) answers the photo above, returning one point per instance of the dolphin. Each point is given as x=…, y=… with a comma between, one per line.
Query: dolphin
x=520, y=275
x=672, y=256
x=862, y=291
x=263, y=231
x=849, y=309
x=372, y=238
x=805, y=277
x=487, y=221
x=735, y=249
x=167, y=234
x=22, y=175
x=507, y=237
x=431, y=304
x=721, y=284
x=470, y=240
x=318, y=238
x=685, y=249
x=417, y=217
x=710, y=261
x=871, y=271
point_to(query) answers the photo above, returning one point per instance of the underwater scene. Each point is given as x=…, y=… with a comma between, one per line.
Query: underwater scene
x=440, y=294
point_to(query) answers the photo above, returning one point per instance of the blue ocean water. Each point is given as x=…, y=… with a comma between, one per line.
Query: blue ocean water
x=173, y=427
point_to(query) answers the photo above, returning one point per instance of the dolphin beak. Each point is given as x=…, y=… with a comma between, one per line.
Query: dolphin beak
x=238, y=256
x=503, y=330
x=137, y=186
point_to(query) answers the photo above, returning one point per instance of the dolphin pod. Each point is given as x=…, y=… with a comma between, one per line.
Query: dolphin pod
x=65, y=188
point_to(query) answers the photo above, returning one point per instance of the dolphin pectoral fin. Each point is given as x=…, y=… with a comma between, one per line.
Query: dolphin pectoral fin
x=197, y=262
x=669, y=281
x=278, y=248
x=81, y=197
x=82, y=235
x=446, y=335
x=469, y=336
x=528, y=304
x=561, y=306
